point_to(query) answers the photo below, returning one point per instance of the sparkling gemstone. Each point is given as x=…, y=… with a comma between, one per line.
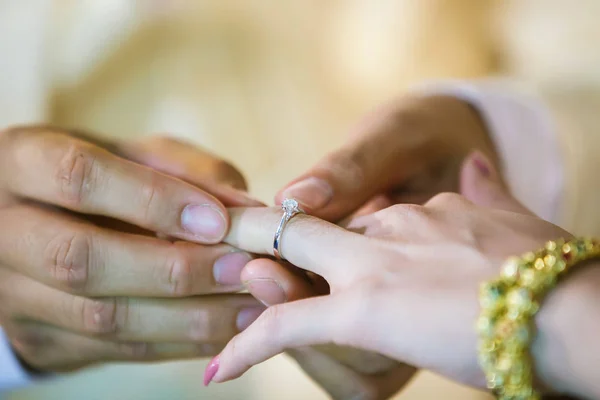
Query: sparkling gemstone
x=289, y=205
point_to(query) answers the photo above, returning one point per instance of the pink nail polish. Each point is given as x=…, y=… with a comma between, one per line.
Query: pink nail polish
x=482, y=165
x=211, y=370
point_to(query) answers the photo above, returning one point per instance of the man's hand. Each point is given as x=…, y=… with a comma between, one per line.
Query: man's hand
x=404, y=153
x=85, y=278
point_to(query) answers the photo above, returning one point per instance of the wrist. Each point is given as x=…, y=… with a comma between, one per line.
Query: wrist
x=565, y=350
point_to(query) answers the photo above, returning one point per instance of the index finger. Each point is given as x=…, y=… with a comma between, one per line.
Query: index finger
x=307, y=242
x=54, y=168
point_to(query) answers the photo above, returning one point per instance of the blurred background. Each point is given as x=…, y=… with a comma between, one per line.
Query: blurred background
x=270, y=86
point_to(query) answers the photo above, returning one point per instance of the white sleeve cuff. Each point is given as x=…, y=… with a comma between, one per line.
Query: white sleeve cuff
x=525, y=137
x=12, y=374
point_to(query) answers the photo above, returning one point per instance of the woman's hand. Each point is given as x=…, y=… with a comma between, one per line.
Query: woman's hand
x=84, y=277
x=404, y=283
x=342, y=372
x=404, y=153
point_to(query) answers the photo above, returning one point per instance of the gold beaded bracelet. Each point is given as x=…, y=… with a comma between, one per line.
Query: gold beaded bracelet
x=508, y=307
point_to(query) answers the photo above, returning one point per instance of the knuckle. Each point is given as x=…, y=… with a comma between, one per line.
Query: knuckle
x=98, y=316
x=415, y=209
x=150, y=195
x=76, y=175
x=68, y=258
x=399, y=213
x=179, y=267
x=446, y=199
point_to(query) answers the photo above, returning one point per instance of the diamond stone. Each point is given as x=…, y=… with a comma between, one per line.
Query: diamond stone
x=289, y=206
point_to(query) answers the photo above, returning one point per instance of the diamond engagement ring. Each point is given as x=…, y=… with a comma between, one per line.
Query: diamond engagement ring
x=290, y=210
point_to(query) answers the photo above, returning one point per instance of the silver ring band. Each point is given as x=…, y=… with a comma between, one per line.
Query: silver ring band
x=290, y=210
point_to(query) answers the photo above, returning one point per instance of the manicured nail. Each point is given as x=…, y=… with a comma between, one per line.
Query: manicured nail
x=248, y=316
x=227, y=268
x=204, y=220
x=312, y=193
x=211, y=370
x=482, y=164
x=267, y=291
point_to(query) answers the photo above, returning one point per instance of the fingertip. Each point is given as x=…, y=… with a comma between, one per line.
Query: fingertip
x=312, y=193
x=212, y=370
x=221, y=369
x=264, y=278
x=206, y=223
x=477, y=171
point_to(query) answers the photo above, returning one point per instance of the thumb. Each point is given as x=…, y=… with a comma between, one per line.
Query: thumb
x=481, y=183
x=375, y=159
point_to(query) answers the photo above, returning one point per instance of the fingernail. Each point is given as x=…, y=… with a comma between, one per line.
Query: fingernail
x=248, y=316
x=313, y=193
x=267, y=291
x=204, y=220
x=211, y=370
x=482, y=164
x=227, y=268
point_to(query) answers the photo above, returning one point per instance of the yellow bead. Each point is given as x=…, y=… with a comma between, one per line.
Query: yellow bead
x=551, y=246
x=485, y=326
x=519, y=337
x=529, y=257
x=539, y=264
x=519, y=299
x=504, y=363
x=495, y=381
x=559, y=267
x=527, y=278
x=571, y=250
x=510, y=269
x=486, y=360
x=549, y=261
x=491, y=297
